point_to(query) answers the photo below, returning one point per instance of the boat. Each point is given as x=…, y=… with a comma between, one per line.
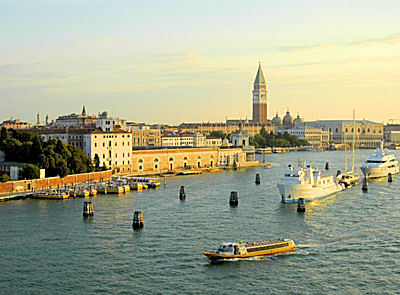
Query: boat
x=349, y=178
x=215, y=169
x=137, y=186
x=115, y=189
x=234, y=250
x=267, y=165
x=51, y=194
x=189, y=172
x=380, y=164
x=149, y=181
x=306, y=183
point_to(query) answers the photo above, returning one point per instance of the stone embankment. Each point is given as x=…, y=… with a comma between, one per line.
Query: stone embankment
x=20, y=188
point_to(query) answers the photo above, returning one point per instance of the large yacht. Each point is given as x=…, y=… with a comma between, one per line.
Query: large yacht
x=306, y=183
x=380, y=164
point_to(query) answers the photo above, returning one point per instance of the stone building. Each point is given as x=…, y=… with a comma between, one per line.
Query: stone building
x=317, y=137
x=15, y=124
x=169, y=159
x=145, y=136
x=368, y=134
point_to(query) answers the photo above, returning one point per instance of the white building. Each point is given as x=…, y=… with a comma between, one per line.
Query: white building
x=114, y=148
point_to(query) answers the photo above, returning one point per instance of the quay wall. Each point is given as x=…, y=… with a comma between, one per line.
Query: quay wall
x=29, y=185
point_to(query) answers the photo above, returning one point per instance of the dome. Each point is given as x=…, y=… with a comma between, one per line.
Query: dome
x=298, y=121
x=287, y=120
x=276, y=120
x=104, y=115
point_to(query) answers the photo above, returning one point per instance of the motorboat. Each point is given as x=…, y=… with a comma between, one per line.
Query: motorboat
x=234, y=250
x=380, y=164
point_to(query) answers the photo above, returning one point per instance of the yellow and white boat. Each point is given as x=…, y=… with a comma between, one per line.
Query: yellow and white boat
x=115, y=189
x=232, y=250
x=136, y=186
x=51, y=194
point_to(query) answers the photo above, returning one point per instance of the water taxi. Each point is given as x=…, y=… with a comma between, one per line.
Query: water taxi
x=136, y=186
x=51, y=194
x=232, y=250
x=149, y=181
x=307, y=183
x=380, y=164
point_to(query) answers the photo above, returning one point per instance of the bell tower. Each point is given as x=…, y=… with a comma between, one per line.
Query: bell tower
x=260, y=98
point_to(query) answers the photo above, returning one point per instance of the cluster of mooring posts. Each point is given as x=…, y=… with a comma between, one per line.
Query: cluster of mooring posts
x=137, y=222
x=88, y=209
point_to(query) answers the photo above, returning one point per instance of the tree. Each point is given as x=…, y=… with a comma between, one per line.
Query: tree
x=5, y=178
x=218, y=134
x=30, y=171
x=4, y=135
x=96, y=162
x=37, y=149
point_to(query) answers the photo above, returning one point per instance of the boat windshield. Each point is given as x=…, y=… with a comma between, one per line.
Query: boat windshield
x=225, y=249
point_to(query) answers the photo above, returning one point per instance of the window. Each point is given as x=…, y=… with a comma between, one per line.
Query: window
x=104, y=144
x=115, y=144
x=123, y=143
x=109, y=143
x=128, y=154
x=104, y=155
x=95, y=144
x=116, y=155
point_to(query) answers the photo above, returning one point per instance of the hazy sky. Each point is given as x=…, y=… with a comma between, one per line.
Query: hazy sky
x=180, y=61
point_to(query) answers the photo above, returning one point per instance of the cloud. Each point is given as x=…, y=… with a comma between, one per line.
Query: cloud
x=387, y=40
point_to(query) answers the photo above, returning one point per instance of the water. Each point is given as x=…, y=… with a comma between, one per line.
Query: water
x=349, y=242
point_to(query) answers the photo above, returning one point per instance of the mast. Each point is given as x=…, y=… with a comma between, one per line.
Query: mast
x=354, y=139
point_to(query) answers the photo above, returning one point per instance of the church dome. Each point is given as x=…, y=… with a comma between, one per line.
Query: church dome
x=298, y=121
x=287, y=120
x=276, y=120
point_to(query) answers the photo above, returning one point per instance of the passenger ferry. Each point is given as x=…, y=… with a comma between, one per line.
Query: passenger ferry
x=51, y=194
x=242, y=249
x=380, y=164
x=306, y=183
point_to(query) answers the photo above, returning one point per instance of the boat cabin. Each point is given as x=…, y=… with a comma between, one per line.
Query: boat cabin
x=231, y=249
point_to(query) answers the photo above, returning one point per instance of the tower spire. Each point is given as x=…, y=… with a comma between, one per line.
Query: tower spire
x=260, y=98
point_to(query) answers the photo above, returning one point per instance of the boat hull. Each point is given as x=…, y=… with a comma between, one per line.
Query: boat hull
x=292, y=193
x=377, y=172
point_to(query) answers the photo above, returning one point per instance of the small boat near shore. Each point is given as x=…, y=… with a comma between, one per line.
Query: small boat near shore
x=214, y=170
x=232, y=250
x=51, y=194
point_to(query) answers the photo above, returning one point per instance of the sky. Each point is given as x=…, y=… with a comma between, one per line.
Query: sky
x=172, y=61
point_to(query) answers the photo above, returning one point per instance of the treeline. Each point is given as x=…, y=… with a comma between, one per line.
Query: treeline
x=265, y=139
x=58, y=158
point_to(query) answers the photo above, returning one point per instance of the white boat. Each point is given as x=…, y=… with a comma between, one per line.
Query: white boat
x=349, y=178
x=306, y=183
x=380, y=164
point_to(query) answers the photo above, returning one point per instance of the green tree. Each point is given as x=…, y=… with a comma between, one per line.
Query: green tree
x=218, y=134
x=5, y=178
x=96, y=161
x=30, y=171
x=4, y=135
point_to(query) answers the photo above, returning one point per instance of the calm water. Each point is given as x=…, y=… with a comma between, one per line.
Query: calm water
x=349, y=243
